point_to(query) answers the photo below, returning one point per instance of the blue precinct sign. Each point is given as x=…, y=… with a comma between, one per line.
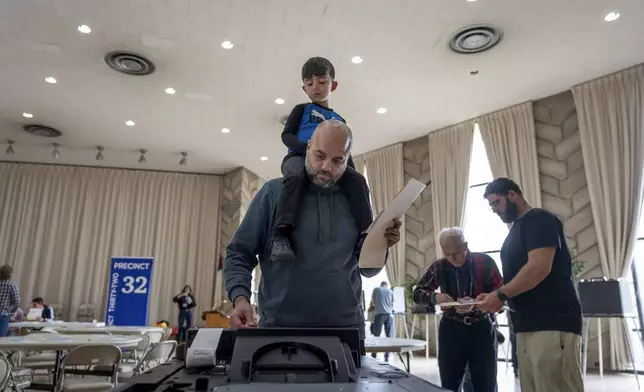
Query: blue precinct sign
x=128, y=291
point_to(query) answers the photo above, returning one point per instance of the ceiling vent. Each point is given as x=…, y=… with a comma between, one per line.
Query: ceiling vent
x=475, y=38
x=129, y=63
x=41, y=130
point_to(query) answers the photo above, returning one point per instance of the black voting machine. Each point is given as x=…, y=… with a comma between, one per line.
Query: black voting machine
x=268, y=359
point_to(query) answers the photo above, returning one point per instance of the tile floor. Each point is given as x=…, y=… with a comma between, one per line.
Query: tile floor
x=615, y=382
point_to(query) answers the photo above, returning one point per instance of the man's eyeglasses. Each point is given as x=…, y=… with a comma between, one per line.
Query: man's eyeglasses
x=494, y=205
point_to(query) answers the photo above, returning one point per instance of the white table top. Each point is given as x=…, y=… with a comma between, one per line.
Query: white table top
x=53, y=324
x=393, y=345
x=42, y=341
x=125, y=330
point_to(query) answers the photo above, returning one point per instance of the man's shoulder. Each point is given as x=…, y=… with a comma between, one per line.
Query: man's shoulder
x=540, y=215
x=271, y=186
x=439, y=264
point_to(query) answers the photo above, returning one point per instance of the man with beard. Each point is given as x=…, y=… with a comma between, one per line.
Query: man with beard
x=538, y=285
x=322, y=288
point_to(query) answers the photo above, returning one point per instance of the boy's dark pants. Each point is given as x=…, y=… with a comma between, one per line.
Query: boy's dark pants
x=352, y=184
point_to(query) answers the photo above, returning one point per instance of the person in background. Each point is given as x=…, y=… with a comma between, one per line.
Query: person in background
x=318, y=78
x=383, y=302
x=186, y=302
x=9, y=298
x=466, y=336
x=47, y=311
x=539, y=286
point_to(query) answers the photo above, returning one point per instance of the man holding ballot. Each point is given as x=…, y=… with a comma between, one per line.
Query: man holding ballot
x=466, y=336
x=322, y=286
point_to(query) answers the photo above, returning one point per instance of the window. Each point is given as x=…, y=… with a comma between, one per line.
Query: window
x=637, y=270
x=368, y=284
x=484, y=231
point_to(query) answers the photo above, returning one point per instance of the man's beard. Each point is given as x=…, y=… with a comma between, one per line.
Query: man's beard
x=313, y=176
x=511, y=212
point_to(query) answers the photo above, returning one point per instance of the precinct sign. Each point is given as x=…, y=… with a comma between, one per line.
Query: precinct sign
x=128, y=291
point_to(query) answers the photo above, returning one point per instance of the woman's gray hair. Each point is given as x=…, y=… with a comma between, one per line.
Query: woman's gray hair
x=455, y=233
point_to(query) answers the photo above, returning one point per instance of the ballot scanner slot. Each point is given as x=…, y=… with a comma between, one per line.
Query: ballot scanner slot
x=291, y=359
x=224, y=350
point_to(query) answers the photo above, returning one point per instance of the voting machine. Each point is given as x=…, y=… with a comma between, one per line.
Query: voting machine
x=272, y=360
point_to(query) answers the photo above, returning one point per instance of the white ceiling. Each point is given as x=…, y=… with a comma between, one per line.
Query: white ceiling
x=549, y=45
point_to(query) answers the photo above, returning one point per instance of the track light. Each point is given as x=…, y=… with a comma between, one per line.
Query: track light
x=99, y=154
x=10, y=150
x=142, y=157
x=55, y=153
x=184, y=159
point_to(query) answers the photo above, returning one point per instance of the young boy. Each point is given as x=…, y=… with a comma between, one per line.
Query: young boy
x=318, y=76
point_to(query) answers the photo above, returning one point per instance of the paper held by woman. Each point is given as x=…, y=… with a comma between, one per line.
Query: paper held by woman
x=374, y=248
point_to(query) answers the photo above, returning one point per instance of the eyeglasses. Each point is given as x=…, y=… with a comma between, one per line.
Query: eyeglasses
x=494, y=205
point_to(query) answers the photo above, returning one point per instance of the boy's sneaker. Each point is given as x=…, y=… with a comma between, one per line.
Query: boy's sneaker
x=281, y=250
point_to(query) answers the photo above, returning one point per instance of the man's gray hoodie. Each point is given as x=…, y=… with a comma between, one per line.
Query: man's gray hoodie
x=322, y=287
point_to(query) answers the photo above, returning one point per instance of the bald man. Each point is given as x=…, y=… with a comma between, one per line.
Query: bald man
x=297, y=177
x=323, y=287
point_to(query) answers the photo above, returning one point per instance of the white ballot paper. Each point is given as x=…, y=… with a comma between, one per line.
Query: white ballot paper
x=202, y=351
x=457, y=303
x=374, y=248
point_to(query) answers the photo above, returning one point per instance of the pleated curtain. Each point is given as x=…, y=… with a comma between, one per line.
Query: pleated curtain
x=60, y=225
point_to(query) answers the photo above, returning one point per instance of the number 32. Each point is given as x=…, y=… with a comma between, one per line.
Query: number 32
x=130, y=281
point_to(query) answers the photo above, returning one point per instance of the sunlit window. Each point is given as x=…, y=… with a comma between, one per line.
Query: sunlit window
x=637, y=271
x=484, y=231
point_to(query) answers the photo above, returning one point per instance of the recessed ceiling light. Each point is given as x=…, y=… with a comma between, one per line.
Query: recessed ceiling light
x=382, y=110
x=84, y=29
x=225, y=130
x=470, y=1
x=611, y=16
x=279, y=101
x=130, y=123
x=264, y=158
x=227, y=45
x=27, y=115
x=170, y=91
x=356, y=59
x=51, y=80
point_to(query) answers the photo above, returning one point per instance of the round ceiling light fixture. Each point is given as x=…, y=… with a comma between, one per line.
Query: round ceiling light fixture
x=475, y=38
x=41, y=130
x=129, y=63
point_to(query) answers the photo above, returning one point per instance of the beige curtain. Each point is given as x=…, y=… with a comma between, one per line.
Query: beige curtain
x=511, y=146
x=611, y=126
x=358, y=161
x=386, y=178
x=60, y=225
x=449, y=164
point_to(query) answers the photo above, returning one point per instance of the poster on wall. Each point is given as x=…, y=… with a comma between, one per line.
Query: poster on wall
x=128, y=291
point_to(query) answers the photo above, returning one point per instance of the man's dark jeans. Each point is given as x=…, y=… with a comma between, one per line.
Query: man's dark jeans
x=464, y=346
x=379, y=321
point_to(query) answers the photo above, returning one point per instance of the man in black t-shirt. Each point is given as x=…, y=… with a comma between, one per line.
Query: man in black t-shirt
x=538, y=285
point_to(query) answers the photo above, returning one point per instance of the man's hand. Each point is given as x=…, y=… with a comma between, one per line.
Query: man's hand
x=463, y=309
x=393, y=233
x=490, y=302
x=242, y=316
x=442, y=298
